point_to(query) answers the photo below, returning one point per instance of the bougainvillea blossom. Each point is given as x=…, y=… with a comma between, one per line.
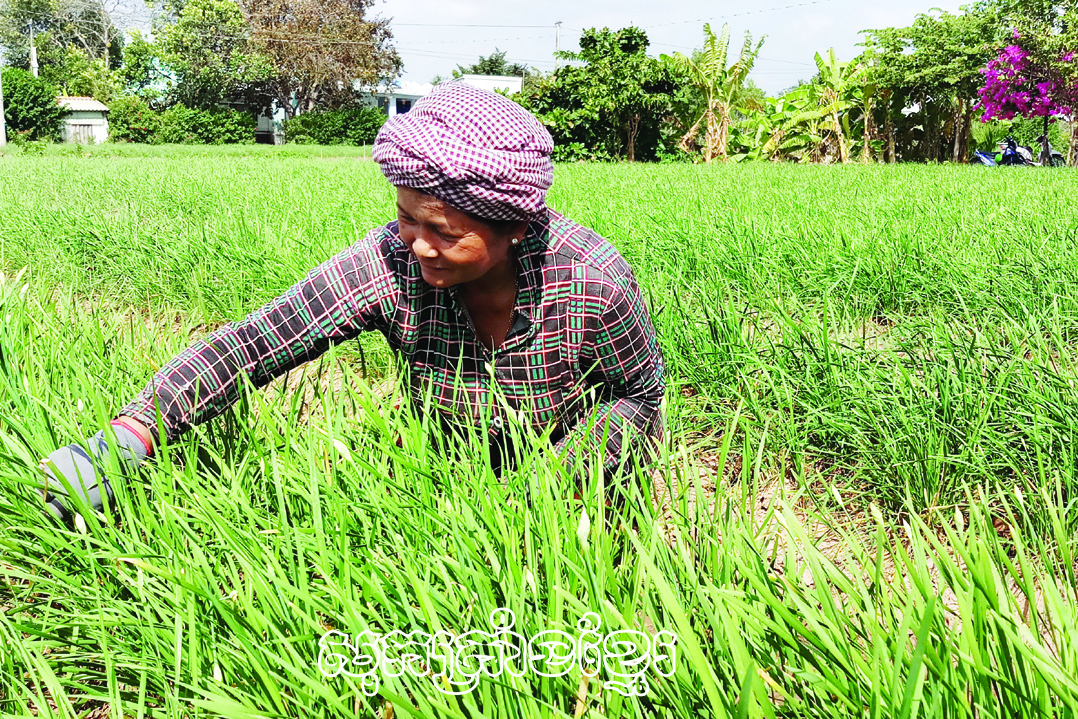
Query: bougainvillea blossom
x=1017, y=85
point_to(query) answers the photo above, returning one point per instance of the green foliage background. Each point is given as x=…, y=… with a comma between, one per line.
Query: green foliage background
x=884, y=354
x=350, y=126
x=184, y=125
x=30, y=106
x=132, y=120
x=617, y=94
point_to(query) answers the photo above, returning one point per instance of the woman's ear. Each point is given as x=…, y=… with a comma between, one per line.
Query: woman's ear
x=516, y=235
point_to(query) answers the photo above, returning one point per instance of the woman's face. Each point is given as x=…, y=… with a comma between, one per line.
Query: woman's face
x=452, y=248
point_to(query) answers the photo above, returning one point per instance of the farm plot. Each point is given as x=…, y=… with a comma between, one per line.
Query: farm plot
x=866, y=504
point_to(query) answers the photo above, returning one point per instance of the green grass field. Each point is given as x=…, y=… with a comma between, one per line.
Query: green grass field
x=866, y=507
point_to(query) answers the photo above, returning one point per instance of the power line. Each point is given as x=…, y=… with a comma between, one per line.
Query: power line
x=461, y=56
x=432, y=24
x=380, y=23
x=308, y=38
x=491, y=39
x=788, y=62
x=375, y=23
x=766, y=59
x=740, y=14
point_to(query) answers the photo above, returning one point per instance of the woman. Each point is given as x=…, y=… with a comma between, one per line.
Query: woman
x=477, y=284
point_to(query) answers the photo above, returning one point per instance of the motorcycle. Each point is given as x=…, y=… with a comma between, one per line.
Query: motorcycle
x=1049, y=157
x=1014, y=154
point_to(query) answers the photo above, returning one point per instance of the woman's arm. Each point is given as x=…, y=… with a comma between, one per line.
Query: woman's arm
x=623, y=363
x=345, y=295
x=350, y=292
x=142, y=431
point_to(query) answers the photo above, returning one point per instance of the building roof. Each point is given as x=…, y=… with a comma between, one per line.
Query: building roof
x=81, y=104
x=401, y=89
x=511, y=83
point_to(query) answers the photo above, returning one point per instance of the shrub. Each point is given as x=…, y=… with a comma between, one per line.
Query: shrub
x=179, y=125
x=132, y=120
x=185, y=126
x=350, y=126
x=27, y=146
x=228, y=127
x=30, y=105
x=577, y=152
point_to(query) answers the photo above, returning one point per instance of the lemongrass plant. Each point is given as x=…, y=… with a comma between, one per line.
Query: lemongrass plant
x=865, y=506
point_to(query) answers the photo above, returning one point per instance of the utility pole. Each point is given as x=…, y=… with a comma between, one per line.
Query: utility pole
x=557, y=42
x=3, y=123
x=33, y=52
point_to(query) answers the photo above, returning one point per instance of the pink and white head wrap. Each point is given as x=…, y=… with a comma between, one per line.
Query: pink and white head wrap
x=473, y=149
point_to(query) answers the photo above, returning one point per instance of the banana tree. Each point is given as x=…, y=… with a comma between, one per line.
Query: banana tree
x=814, y=123
x=796, y=132
x=720, y=86
x=868, y=101
x=837, y=84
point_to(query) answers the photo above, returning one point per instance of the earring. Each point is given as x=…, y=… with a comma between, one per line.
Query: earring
x=515, y=241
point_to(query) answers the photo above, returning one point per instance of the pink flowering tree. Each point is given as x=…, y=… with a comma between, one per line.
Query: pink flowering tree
x=1030, y=82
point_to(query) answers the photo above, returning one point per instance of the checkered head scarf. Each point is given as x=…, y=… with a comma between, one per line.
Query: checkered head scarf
x=473, y=149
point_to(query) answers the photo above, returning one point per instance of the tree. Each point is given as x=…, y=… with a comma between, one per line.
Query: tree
x=1048, y=15
x=932, y=67
x=30, y=105
x=611, y=104
x=1045, y=66
x=1035, y=83
x=90, y=25
x=17, y=17
x=77, y=42
x=834, y=91
x=885, y=60
x=720, y=86
x=209, y=51
x=320, y=49
x=141, y=69
x=951, y=50
x=495, y=64
x=78, y=74
x=812, y=122
x=791, y=125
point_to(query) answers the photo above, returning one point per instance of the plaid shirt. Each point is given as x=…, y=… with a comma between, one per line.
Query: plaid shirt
x=581, y=340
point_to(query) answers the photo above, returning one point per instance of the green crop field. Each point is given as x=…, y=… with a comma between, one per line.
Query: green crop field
x=866, y=505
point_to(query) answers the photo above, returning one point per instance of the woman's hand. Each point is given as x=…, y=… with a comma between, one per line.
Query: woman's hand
x=78, y=470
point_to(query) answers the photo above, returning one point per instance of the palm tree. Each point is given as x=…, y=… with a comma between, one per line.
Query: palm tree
x=720, y=86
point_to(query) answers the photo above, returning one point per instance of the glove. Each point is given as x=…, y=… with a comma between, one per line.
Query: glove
x=84, y=471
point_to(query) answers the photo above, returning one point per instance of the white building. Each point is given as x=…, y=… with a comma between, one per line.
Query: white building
x=495, y=83
x=270, y=128
x=87, y=120
x=398, y=98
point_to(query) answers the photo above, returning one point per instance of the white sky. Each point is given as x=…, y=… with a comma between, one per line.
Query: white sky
x=432, y=35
